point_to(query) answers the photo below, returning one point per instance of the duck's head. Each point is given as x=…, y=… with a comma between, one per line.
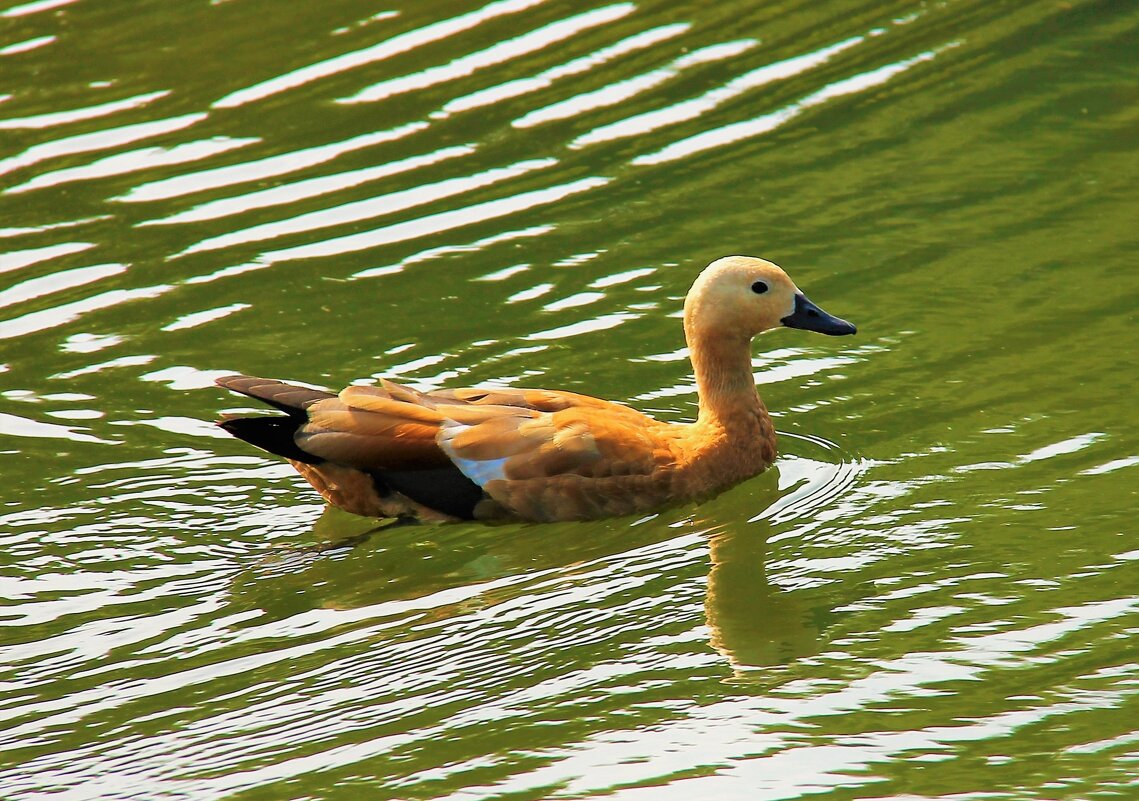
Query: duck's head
x=745, y=296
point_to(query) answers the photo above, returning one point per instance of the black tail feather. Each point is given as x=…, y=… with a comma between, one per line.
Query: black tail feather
x=289, y=398
x=443, y=489
x=272, y=434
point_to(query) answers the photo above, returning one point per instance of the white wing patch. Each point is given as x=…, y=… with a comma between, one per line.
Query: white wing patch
x=480, y=471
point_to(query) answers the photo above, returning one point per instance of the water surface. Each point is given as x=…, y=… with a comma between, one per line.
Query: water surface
x=934, y=592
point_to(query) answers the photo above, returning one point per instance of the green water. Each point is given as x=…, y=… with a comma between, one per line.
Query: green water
x=934, y=593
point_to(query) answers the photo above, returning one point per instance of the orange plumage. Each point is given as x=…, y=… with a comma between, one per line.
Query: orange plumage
x=391, y=451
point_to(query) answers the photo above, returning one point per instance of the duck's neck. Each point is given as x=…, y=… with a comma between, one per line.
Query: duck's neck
x=728, y=397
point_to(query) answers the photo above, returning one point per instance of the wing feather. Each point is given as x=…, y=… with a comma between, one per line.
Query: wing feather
x=560, y=465
x=540, y=454
x=372, y=433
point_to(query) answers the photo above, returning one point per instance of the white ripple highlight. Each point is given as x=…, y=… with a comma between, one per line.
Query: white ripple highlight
x=27, y=45
x=543, y=80
x=629, y=88
x=19, y=259
x=148, y=158
x=691, y=109
x=601, y=323
x=98, y=140
x=312, y=187
x=503, y=51
x=55, y=118
x=261, y=169
x=67, y=312
x=194, y=319
x=34, y=7
x=371, y=207
x=436, y=223
x=398, y=44
x=12, y=425
x=56, y=282
x=442, y=250
x=747, y=129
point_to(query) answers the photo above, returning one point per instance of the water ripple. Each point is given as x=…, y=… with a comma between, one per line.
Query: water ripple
x=378, y=52
x=97, y=140
x=933, y=582
x=261, y=169
x=699, y=106
x=512, y=48
x=442, y=221
x=629, y=88
x=737, y=131
x=55, y=118
x=135, y=161
x=543, y=80
x=35, y=7
x=378, y=206
x=67, y=312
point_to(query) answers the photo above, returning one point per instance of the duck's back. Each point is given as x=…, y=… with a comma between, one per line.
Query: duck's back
x=466, y=453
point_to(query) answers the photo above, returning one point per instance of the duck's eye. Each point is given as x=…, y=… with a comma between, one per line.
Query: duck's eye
x=759, y=287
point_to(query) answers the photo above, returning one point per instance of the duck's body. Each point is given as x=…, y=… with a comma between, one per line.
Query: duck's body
x=390, y=451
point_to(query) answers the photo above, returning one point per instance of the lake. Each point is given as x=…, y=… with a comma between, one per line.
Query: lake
x=933, y=594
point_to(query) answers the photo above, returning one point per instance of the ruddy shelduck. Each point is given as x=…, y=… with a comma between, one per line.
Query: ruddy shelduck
x=538, y=454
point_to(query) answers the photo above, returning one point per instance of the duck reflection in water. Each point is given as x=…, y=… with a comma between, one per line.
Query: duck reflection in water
x=750, y=622
x=452, y=570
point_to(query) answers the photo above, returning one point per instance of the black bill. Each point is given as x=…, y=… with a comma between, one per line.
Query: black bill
x=810, y=317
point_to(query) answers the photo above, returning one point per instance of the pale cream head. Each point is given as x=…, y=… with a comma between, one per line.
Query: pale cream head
x=742, y=296
x=739, y=296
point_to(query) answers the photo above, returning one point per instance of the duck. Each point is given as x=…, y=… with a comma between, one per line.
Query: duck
x=391, y=451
